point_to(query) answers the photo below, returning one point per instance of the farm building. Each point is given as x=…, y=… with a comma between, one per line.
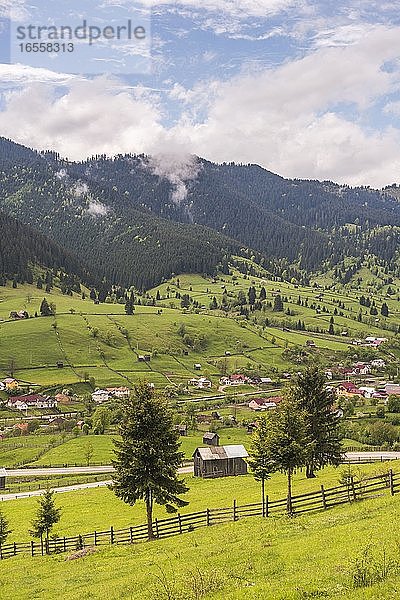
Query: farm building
x=211, y=438
x=220, y=461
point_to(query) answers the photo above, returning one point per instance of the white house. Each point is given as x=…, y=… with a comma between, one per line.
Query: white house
x=30, y=401
x=378, y=363
x=119, y=392
x=201, y=383
x=100, y=396
x=368, y=391
x=392, y=389
x=259, y=404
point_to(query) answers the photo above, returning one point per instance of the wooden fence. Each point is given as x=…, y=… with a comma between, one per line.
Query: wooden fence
x=322, y=499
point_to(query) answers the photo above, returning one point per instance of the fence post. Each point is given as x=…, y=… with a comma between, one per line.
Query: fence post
x=234, y=511
x=180, y=523
x=1, y=552
x=65, y=544
x=267, y=506
x=323, y=497
x=391, y=482
x=353, y=488
x=15, y=548
x=208, y=517
x=111, y=534
x=130, y=535
x=157, y=534
x=32, y=548
x=95, y=538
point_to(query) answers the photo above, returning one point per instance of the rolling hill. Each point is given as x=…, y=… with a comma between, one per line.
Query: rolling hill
x=138, y=221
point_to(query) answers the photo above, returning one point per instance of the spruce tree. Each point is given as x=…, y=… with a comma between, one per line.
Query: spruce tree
x=4, y=529
x=148, y=457
x=47, y=516
x=45, y=309
x=286, y=442
x=259, y=460
x=278, y=304
x=322, y=422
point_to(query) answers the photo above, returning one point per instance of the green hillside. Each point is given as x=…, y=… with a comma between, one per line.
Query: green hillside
x=101, y=342
x=321, y=555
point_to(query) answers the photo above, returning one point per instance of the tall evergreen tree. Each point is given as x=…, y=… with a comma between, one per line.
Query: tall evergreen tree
x=252, y=295
x=45, y=309
x=4, y=529
x=148, y=457
x=47, y=515
x=322, y=421
x=260, y=459
x=278, y=304
x=286, y=441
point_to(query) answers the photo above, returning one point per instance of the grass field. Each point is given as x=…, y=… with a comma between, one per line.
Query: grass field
x=101, y=342
x=314, y=556
x=98, y=509
x=21, y=450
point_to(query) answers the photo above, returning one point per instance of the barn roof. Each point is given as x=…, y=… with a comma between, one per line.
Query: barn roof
x=210, y=435
x=222, y=452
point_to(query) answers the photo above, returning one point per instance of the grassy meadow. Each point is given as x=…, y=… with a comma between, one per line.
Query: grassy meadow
x=97, y=509
x=322, y=555
x=101, y=342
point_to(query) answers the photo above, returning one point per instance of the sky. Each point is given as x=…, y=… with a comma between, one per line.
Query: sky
x=304, y=89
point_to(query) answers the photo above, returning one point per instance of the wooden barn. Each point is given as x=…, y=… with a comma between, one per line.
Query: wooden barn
x=211, y=439
x=220, y=461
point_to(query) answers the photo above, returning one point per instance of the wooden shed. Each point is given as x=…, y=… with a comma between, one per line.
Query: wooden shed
x=220, y=461
x=2, y=479
x=211, y=439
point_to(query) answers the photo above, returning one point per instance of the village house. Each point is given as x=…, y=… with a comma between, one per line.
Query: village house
x=392, y=389
x=378, y=363
x=30, y=401
x=220, y=461
x=259, y=404
x=11, y=383
x=348, y=389
x=21, y=314
x=368, y=391
x=118, y=392
x=201, y=383
x=375, y=342
x=100, y=396
x=62, y=398
x=361, y=368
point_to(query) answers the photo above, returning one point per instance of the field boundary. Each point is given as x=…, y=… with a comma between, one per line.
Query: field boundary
x=321, y=499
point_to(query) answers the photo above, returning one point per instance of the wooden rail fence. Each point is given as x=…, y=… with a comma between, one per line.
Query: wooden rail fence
x=322, y=499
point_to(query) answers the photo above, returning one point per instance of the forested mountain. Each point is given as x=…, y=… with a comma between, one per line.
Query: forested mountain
x=21, y=247
x=137, y=222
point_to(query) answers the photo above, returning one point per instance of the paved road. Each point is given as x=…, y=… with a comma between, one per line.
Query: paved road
x=371, y=456
x=70, y=488
x=59, y=471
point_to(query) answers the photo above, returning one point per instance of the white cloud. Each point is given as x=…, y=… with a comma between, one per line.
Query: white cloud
x=97, y=209
x=17, y=74
x=290, y=119
x=179, y=169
